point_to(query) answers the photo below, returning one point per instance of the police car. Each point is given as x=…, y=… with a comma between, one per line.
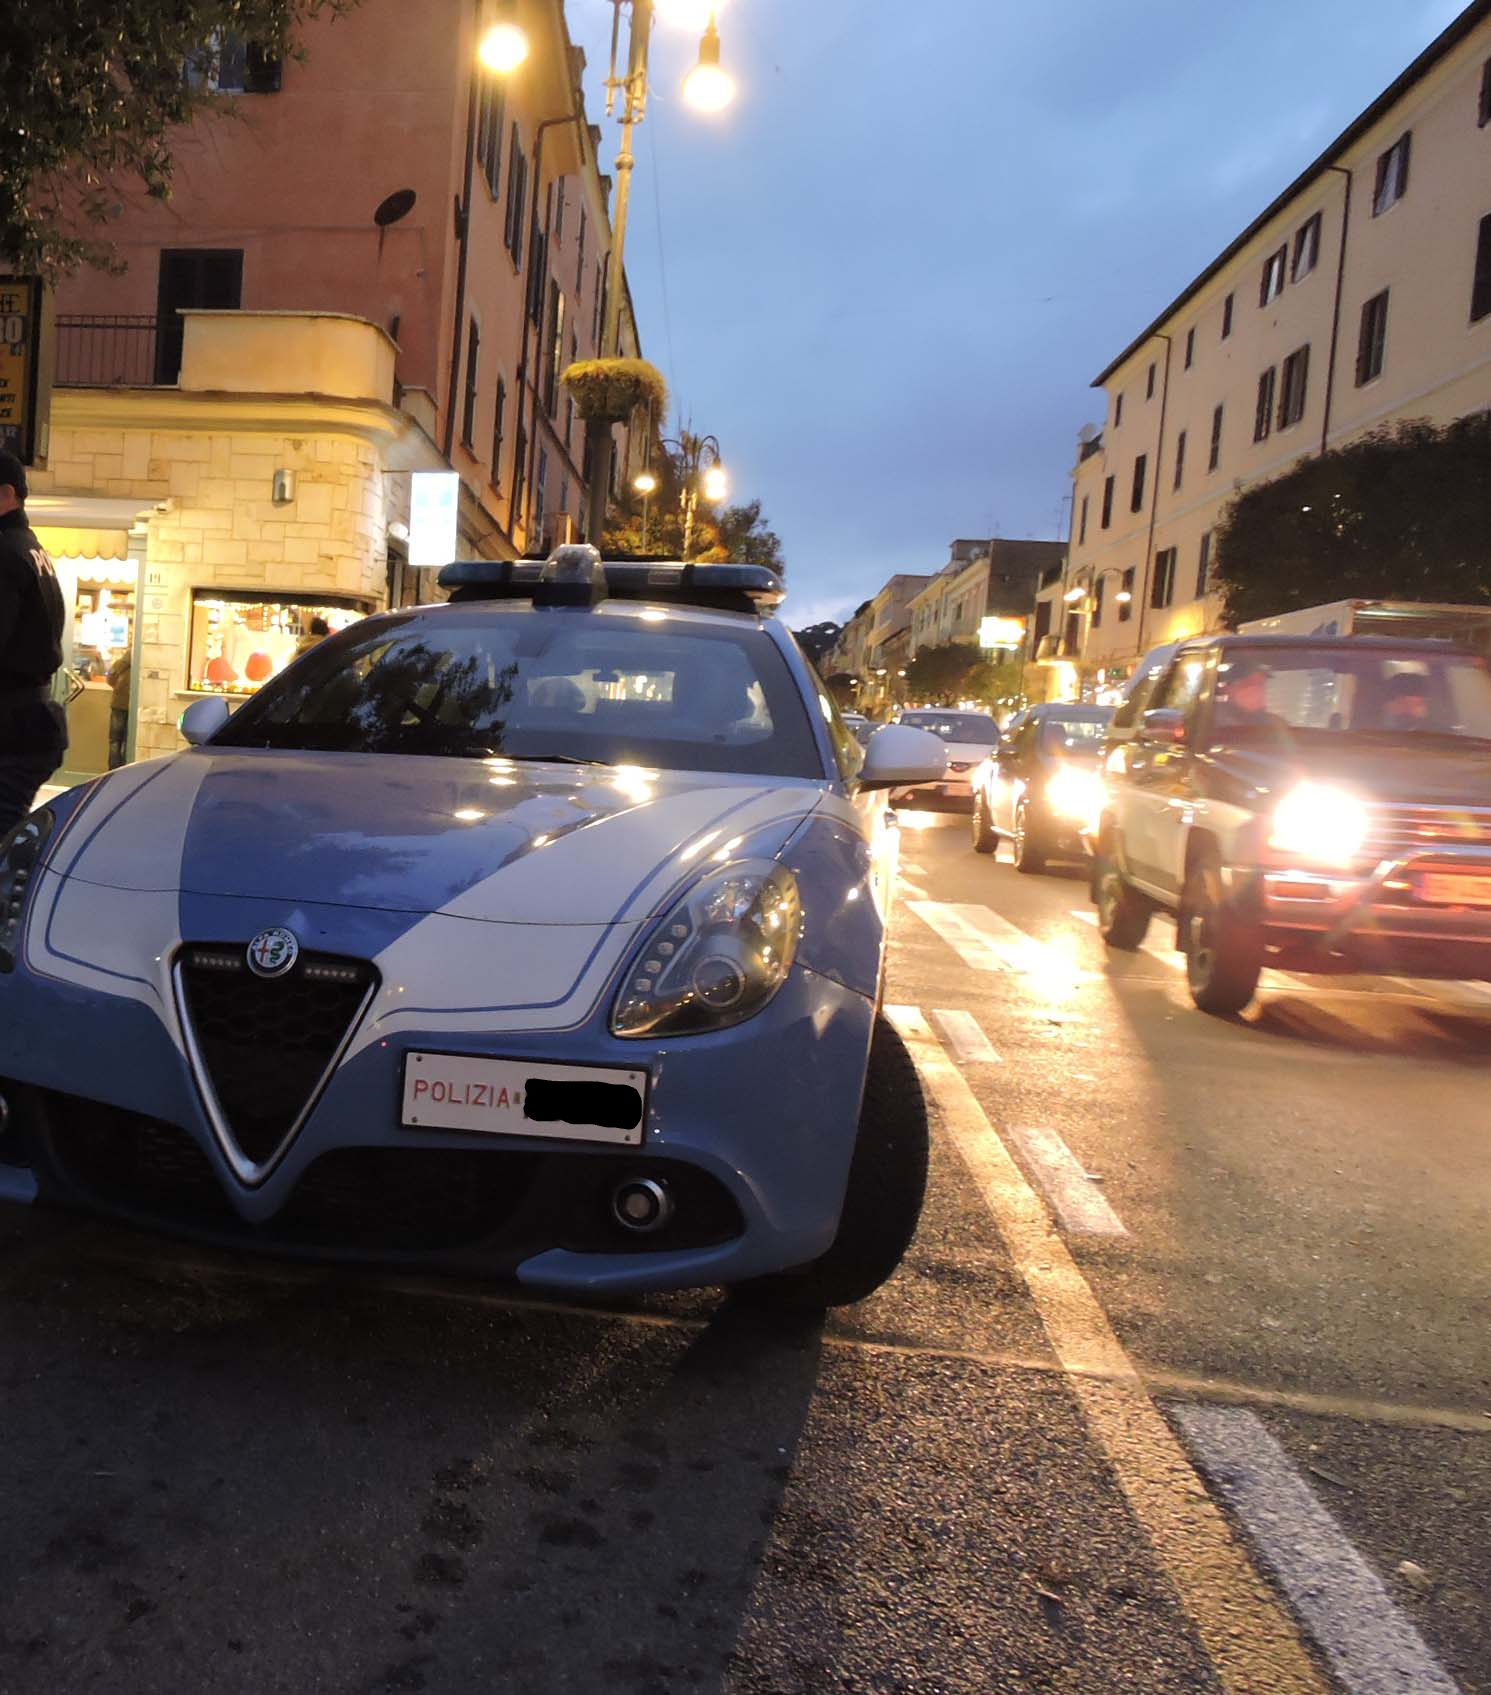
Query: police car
x=539, y=933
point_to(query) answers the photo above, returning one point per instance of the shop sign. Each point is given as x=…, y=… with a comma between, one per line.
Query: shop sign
x=1001, y=632
x=434, y=501
x=20, y=337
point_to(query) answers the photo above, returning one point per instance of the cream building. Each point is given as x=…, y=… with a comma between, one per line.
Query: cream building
x=1361, y=296
x=980, y=577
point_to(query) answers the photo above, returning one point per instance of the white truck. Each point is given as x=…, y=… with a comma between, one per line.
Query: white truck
x=1468, y=626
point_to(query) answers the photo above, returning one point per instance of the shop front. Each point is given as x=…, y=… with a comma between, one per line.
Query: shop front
x=240, y=638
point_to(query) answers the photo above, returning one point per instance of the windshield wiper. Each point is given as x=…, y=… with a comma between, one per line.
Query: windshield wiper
x=556, y=759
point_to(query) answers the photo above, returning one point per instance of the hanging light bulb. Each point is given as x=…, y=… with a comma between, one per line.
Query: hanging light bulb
x=504, y=44
x=709, y=87
x=716, y=483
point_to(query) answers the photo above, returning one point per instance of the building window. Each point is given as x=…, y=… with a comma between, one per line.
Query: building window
x=499, y=425
x=1162, y=589
x=1216, y=440
x=600, y=309
x=1190, y=348
x=540, y=496
x=1263, y=418
x=1295, y=385
x=1126, y=606
x=1484, y=115
x=489, y=131
x=517, y=195
x=580, y=259
x=468, y=411
x=1203, y=567
x=240, y=640
x=1107, y=502
x=1480, y=291
x=1099, y=593
x=1117, y=411
x=1392, y=175
x=1227, y=317
x=555, y=363
x=1372, y=343
x=1306, y=248
x=520, y=469
x=1149, y=383
x=1274, y=269
x=232, y=65
x=559, y=210
x=1082, y=537
x=1136, y=497
x=1180, y=458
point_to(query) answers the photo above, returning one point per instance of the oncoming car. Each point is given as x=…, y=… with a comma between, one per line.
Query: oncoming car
x=538, y=934
x=1042, y=787
x=969, y=736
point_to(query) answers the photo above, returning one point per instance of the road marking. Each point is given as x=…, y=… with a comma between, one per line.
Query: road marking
x=965, y=1036
x=1346, y=1606
x=1084, y=1210
x=912, y=891
x=972, y=947
x=1251, y=1643
x=915, y=869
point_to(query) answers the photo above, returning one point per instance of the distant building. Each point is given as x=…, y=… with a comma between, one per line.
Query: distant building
x=1360, y=297
x=980, y=578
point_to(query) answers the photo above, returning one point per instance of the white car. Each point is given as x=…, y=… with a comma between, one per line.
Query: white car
x=970, y=737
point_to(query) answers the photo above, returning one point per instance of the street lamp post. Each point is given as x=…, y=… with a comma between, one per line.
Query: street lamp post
x=708, y=88
x=701, y=474
x=1083, y=600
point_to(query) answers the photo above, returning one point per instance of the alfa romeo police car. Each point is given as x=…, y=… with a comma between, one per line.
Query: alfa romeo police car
x=540, y=934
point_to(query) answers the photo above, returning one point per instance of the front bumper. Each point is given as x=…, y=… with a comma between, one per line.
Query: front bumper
x=1378, y=919
x=953, y=794
x=751, y=1129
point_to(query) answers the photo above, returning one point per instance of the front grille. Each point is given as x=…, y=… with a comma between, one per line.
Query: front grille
x=1397, y=830
x=377, y=1200
x=266, y=1043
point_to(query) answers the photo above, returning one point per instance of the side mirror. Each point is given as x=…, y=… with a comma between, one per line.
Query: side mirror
x=1164, y=727
x=204, y=718
x=899, y=756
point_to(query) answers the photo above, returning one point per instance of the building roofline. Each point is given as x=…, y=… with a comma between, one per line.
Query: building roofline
x=1476, y=13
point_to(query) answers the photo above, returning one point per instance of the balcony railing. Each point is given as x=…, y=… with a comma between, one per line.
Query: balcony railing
x=112, y=350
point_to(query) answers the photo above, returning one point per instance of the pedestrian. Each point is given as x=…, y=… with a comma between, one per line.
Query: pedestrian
x=119, y=680
x=33, y=728
x=313, y=637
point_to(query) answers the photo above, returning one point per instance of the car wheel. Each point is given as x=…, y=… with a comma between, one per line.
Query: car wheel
x=1028, y=855
x=1224, y=951
x=883, y=1201
x=1123, y=913
x=985, y=837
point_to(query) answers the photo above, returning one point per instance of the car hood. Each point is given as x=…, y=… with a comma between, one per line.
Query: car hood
x=966, y=753
x=1402, y=771
x=499, y=840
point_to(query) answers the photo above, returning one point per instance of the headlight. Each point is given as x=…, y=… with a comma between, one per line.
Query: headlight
x=1076, y=793
x=20, y=855
x=717, y=958
x=1318, y=822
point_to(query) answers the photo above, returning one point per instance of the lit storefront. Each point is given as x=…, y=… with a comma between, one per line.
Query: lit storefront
x=240, y=639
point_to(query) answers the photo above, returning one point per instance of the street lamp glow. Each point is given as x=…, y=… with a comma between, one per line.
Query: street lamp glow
x=716, y=483
x=1072, y=596
x=644, y=482
x=709, y=87
x=503, y=48
x=694, y=15
x=1123, y=597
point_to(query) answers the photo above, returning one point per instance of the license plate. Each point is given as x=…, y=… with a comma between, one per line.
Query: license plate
x=1451, y=888
x=517, y=1097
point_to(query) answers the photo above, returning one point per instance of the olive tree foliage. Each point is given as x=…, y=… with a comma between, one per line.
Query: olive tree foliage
x=1401, y=514
x=91, y=92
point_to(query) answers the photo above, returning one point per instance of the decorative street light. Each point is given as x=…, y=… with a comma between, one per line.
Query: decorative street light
x=703, y=473
x=645, y=484
x=712, y=94
x=504, y=46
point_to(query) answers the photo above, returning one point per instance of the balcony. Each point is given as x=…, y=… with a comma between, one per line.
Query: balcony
x=112, y=350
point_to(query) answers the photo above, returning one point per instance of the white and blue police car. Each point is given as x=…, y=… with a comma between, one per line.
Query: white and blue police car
x=539, y=934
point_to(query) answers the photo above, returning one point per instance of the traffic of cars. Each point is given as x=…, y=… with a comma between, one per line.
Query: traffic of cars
x=970, y=738
x=1042, y=788
x=539, y=934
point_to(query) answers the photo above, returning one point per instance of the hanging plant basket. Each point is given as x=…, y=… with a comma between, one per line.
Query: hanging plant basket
x=609, y=390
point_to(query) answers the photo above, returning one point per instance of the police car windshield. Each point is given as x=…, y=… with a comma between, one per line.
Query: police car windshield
x=479, y=682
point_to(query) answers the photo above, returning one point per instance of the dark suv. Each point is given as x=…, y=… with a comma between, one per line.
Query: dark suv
x=1321, y=805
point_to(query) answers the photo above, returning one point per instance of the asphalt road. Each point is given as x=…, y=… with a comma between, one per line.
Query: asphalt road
x=1185, y=1386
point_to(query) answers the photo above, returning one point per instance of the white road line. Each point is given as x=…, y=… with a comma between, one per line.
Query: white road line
x=1372, y=1647
x=971, y=947
x=912, y=891
x=915, y=869
x=1250, y=1640
x=1084, y=1211
x=965, y=1036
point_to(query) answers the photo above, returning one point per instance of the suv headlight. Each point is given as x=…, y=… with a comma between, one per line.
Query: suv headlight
x=1318, y=822
x=717, y=958
x=20, y=856
x=1076, y=793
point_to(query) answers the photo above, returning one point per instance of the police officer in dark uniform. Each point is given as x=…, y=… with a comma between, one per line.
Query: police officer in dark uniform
x=33, y=728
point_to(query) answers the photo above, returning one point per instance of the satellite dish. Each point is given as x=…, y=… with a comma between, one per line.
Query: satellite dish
x=398, y=205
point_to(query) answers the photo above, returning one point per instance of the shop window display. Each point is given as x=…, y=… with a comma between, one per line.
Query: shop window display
x=240, y=641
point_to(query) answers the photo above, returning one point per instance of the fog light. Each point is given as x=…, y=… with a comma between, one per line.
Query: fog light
x=641, y=1205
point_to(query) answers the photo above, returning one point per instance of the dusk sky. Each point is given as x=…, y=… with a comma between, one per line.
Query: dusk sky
x=887, y=276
